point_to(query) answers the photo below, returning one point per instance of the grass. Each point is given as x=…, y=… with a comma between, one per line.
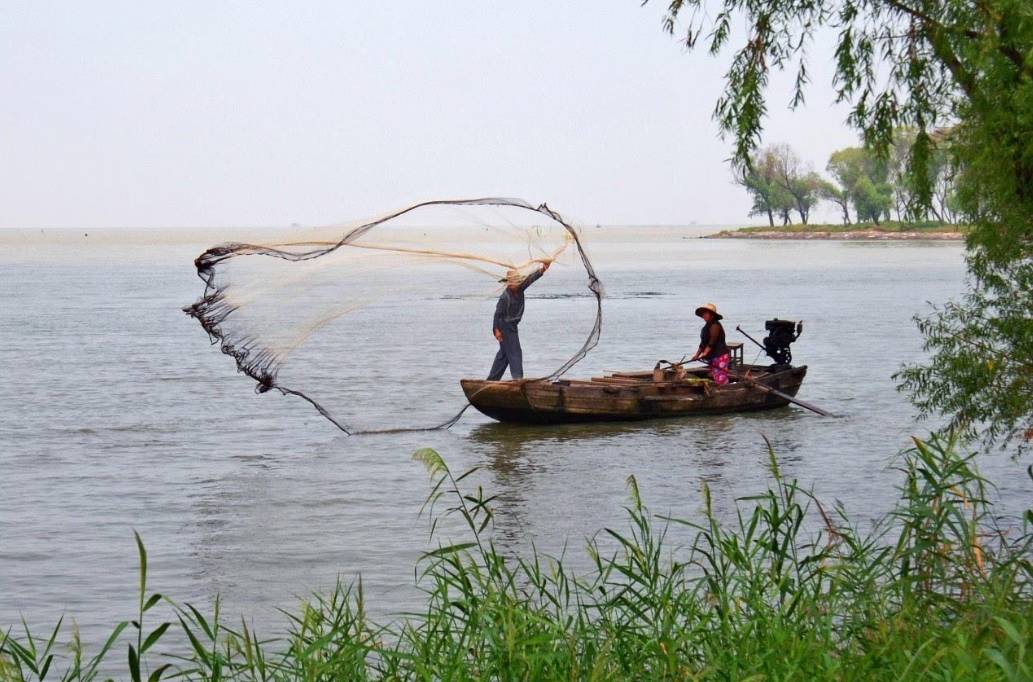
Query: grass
x=935, y=591
x=930, y=227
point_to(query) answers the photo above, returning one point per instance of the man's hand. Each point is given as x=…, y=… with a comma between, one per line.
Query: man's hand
x=545, y=266
x=498, y=335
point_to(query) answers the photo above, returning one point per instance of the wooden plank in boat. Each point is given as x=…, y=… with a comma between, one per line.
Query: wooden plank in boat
x=693, y=373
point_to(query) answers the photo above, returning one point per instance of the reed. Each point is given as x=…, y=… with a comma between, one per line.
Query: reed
x=935, y=591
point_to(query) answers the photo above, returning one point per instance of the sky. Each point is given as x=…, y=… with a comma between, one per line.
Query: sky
x=221, y=113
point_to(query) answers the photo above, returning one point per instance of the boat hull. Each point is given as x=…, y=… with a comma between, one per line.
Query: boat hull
x=629, y=396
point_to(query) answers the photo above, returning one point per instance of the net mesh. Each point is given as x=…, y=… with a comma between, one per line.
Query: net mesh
x=373, y=325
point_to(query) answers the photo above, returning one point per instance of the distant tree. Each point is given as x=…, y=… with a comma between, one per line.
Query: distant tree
x=864, y=179
x=779, y=183
x=846, y=166
x=871, y=200
x=784, y=205
x=762, y=207
x=797, y=181
x=762, y=179
x=836, y=195
x=807, y=192
x=759, y=180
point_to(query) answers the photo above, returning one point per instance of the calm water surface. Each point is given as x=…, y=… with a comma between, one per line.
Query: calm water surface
x=116, y=414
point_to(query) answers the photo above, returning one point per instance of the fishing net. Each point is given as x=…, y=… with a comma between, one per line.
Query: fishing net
x=375, y=324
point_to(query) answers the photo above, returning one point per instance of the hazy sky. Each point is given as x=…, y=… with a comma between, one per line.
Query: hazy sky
x=244, y=113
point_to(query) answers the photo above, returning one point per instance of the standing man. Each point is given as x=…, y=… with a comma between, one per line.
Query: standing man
x=508, y=312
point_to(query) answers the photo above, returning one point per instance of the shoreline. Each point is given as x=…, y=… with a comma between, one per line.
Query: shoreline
x=852, y=235
x=816, y=233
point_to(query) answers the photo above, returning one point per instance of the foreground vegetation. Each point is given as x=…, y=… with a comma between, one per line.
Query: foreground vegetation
x=934, y=591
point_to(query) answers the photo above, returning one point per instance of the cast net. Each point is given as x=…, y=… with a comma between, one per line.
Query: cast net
x=375, y=324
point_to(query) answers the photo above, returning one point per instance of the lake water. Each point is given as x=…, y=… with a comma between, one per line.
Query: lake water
x=116, y=414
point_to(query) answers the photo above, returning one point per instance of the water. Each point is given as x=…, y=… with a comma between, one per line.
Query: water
x=118, y=415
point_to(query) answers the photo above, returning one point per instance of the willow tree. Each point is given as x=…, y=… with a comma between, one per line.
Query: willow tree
x=779, y=184
x=797, y=180
x=923, y=65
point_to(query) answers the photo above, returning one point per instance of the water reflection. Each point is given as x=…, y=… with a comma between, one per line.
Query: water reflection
x=532, y=465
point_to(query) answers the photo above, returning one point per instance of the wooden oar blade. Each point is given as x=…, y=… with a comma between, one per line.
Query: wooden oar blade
x=795, y=401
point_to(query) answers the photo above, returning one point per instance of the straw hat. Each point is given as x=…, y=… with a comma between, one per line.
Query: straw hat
x=512, y=277
x=709, y=307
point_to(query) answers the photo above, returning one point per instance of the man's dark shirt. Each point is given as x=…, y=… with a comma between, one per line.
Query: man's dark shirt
x=510, y=307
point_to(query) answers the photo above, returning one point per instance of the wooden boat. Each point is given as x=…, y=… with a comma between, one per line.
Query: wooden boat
x=623, y=396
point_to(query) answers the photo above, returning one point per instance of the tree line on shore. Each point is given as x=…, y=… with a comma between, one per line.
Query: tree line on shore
x=863, y=185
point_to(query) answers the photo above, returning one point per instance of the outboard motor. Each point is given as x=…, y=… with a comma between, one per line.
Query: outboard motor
x=781, y=333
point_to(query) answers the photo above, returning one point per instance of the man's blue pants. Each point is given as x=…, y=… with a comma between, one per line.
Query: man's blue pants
x=509, y=355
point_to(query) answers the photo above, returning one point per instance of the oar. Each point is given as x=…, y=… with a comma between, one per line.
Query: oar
x=772, y=391
x=759, y=344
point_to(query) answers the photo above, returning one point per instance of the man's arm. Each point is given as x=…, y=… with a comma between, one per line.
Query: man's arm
x=500, y=315
x=534, y=277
